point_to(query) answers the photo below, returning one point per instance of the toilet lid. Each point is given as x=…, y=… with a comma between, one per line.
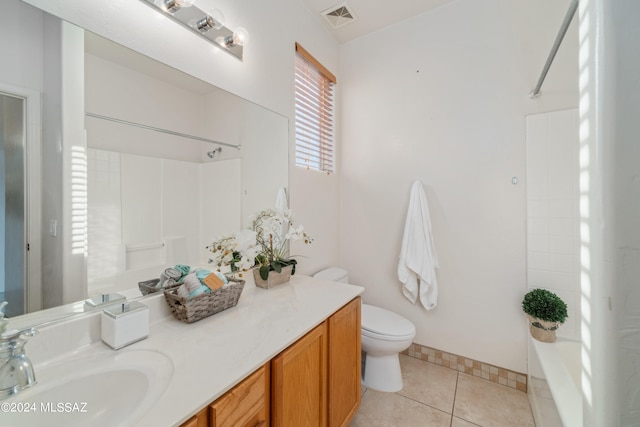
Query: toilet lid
x=385, y=322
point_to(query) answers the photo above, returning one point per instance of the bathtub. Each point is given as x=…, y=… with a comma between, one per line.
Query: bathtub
x=555, y=390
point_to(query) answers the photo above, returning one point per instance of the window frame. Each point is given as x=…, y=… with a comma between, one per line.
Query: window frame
x=315, y=121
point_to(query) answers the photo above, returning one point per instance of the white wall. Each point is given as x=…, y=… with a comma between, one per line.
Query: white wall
x=19, y=69
x=223, y=201
x=116, y=91
x=442, y=98
x=262, y=136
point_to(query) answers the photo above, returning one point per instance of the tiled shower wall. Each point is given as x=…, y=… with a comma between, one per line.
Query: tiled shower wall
x=553, y=211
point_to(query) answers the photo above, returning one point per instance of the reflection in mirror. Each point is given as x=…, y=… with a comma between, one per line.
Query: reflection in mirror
x=120, y=202
x=12, y=217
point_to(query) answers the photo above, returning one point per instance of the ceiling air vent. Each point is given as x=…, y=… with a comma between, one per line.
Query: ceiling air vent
x=339, y=15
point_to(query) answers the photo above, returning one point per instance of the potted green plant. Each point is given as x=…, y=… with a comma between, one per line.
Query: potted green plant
x=264, y=246
x=546, y=312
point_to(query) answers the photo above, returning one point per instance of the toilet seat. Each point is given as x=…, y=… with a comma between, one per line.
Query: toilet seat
x=386, y=325
x=381, y=337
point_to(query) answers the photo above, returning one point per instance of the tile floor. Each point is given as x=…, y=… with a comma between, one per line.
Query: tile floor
x=436, y=396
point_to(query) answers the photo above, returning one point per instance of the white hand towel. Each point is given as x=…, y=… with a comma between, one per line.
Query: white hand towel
x=281, y=205
x=281, y=199
x=418, y=258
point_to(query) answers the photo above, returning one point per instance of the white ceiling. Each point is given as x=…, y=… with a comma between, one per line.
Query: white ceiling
x=371, y=15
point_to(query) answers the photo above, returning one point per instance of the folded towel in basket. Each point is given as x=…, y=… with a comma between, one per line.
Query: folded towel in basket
x=167, y=275
x=201, y=290
x=182, y=269
x=191, y=282
x=192, y=287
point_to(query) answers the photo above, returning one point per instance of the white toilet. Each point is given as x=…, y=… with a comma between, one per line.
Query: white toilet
x=384, y=335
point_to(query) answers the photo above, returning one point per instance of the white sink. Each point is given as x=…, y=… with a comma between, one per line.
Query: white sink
x=107, y=389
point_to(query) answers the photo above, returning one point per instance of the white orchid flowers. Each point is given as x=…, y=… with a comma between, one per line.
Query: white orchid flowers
x=265, y=244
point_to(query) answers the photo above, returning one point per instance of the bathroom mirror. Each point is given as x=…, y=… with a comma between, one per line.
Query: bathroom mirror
x=142, y=165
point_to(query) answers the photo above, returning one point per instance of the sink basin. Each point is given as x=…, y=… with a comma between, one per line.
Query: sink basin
x=107, y=389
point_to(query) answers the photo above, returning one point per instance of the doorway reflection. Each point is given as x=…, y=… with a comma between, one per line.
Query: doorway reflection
x=12, y=203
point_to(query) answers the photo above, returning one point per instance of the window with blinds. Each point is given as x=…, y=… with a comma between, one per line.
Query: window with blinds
x=314, y=113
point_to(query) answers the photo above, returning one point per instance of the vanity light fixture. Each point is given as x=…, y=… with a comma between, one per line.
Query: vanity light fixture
x=215, y=20
x=240, y=37
x=172, y=6
x=208, y=25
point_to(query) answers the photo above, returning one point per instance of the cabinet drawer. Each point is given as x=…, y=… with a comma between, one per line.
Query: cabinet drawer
x=201, y=419
x=246, y=405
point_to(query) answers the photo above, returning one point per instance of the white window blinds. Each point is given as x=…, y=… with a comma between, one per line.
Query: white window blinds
x=314, y=113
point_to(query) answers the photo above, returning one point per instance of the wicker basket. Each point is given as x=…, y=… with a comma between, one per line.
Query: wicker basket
x=149, y=287
x=191, y=310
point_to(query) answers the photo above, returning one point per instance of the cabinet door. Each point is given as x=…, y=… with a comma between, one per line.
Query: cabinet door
x=299, y=382
x=200, y=419
x=246, y=405
x=344, y=364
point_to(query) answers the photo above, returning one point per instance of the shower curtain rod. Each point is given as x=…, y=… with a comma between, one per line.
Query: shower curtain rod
x=170, y=132
x=554, y=49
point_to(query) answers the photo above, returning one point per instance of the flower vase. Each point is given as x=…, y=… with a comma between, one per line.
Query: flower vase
x=274, y=279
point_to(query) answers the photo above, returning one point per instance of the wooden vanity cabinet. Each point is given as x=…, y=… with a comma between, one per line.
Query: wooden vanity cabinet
x=344, y=364
x=201, y=419
x=246, y=405
x=299, y=382
x=315, y=382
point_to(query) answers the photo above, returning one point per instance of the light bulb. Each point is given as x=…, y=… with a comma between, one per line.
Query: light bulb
x=172, y=6
x=240, y=37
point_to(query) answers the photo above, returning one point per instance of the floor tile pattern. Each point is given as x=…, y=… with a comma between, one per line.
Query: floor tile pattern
x=478, y=369
x=437, y=396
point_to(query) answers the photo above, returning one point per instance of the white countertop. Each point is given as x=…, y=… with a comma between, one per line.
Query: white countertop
x=212, y=355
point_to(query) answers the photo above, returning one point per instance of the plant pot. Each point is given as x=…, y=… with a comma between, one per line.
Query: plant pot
x=542, y=330
x=274, y=278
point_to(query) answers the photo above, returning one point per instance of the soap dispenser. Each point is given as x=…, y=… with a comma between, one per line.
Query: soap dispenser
x=124, y=324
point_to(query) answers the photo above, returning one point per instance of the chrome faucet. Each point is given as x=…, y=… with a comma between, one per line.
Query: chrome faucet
x=16, y=370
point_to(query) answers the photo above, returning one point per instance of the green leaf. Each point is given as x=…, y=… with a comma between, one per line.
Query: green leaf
x=264, y=272
x=544, y=305
x=277, y=266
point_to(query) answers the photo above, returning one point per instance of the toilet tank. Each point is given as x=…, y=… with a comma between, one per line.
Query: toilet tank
x=333, y=274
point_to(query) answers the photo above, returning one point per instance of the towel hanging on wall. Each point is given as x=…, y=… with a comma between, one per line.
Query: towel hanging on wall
x=281, y=204
x=281, y=199
x=418, y=258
